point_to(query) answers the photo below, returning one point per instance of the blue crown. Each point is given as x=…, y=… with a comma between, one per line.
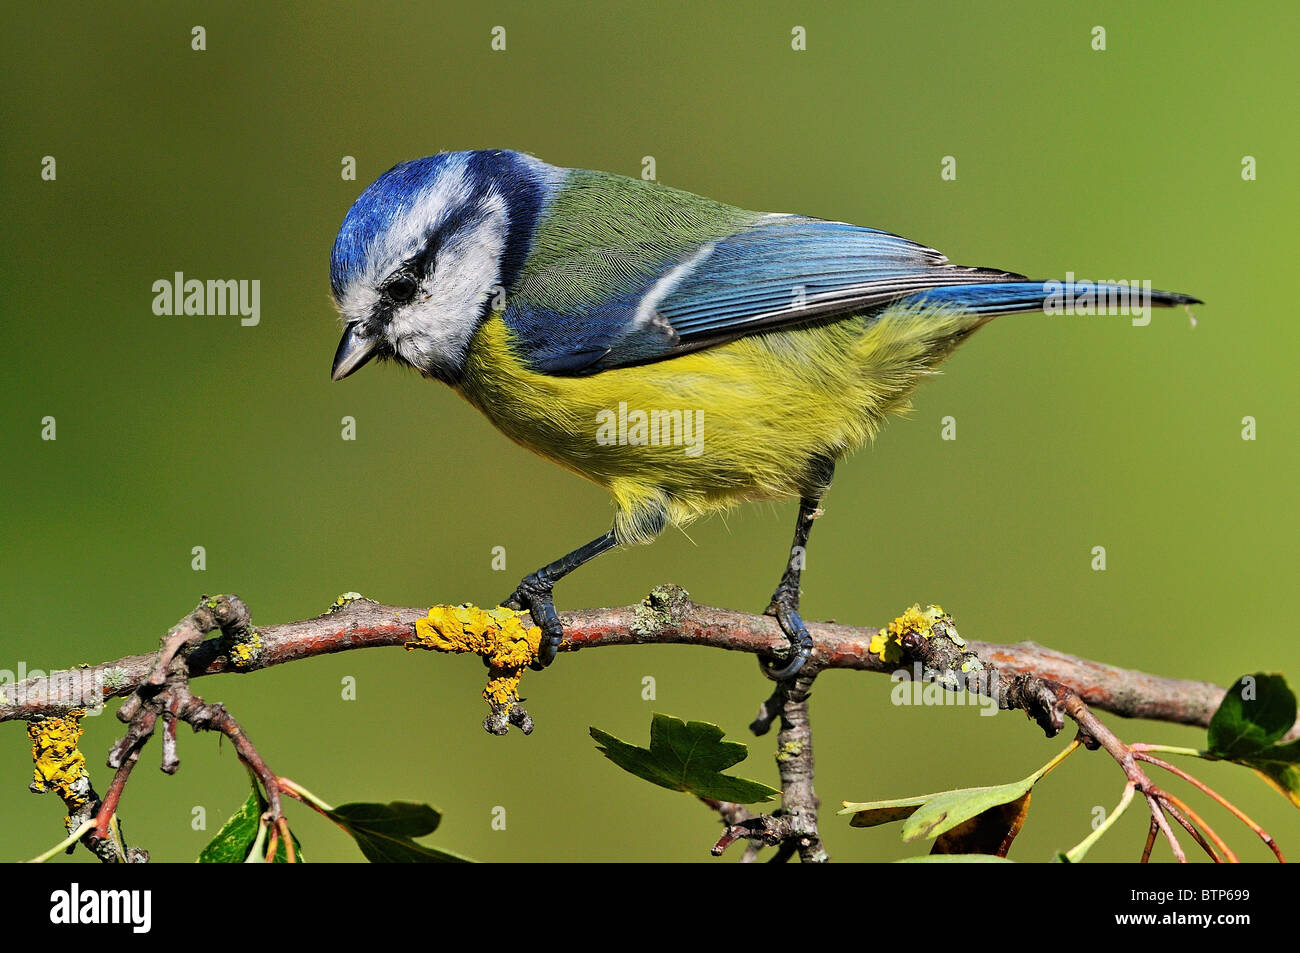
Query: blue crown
x=518, y=179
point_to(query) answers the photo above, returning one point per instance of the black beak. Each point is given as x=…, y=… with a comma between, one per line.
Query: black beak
x=354, y=351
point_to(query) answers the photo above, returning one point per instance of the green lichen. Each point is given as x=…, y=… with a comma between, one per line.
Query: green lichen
x=661, y=609
x=344, y=599
x=115, y=677
x=789, y=751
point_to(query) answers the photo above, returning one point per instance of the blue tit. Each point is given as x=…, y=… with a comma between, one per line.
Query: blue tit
x=682, y=353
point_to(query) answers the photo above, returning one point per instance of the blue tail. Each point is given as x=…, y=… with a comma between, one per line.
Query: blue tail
x=1023, y=296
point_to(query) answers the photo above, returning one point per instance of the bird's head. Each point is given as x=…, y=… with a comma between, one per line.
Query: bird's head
x=427, y=251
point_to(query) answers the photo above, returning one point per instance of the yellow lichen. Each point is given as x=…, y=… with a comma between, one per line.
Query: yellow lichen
x=886, y=649
x=245, y=650
x=887, y=644
x=59, y=766
x=503, y=637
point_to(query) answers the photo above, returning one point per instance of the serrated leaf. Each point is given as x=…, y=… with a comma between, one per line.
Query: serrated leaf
x=384, y=831
x=945, y=811
x=232, y=843
x=988, y=832
x=1243, y=726
x=686, y=756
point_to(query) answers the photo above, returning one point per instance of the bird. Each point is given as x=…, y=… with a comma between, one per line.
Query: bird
x=685, y=354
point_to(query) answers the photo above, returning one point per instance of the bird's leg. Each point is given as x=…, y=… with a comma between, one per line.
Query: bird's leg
x=785, y=601
x=535, y=594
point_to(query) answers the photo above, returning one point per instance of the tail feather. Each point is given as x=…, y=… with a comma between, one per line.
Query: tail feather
x=1024, y=296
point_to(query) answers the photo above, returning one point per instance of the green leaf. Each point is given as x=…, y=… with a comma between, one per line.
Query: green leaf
x=874, y=813
x=232, y=843
x=945, y=811
x=955, y=859
x=384, y=832
x=1280, y=767
x=686, y=756
x=988, y=832
x=1257, y=711
x=237, y=836
x=965, y=821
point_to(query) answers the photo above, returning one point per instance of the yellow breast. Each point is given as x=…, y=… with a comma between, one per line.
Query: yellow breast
x=705, y=430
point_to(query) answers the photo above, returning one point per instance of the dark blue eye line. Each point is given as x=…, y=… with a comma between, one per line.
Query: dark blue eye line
x=401, y=286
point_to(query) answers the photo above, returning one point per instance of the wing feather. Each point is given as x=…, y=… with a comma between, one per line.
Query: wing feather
x=781, y=271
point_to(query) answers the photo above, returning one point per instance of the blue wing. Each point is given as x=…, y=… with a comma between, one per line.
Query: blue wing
x=793, y=271
x=782, y=271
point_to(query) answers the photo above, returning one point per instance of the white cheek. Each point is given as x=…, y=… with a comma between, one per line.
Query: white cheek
x=438, y=325
x=358, y=302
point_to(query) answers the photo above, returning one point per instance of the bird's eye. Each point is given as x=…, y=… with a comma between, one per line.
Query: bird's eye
x=401, y=289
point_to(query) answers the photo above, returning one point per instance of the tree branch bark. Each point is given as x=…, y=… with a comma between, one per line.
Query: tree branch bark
x=666, y=618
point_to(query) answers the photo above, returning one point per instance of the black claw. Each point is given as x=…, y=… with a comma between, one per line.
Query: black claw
x=790, y=669
x=546, y=651
x=535, y=596
x=783, y=607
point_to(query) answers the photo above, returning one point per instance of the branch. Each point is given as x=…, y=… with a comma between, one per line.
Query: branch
x=667, y=616
x=793, y=828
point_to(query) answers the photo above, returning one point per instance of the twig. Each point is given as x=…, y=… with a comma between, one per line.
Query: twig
x=1151, y=841
x=165, y=693
x=793, y=828
x=734, y=817
x=1158, y=815
x=1196, y=819
x=65, y=844
x=1165, y=803
x=1141, y=753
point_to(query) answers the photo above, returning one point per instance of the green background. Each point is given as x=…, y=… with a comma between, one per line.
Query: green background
x=1073, y=432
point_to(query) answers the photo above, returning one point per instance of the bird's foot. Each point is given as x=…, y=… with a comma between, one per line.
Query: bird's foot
x=785, y=606
x=536, y=595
